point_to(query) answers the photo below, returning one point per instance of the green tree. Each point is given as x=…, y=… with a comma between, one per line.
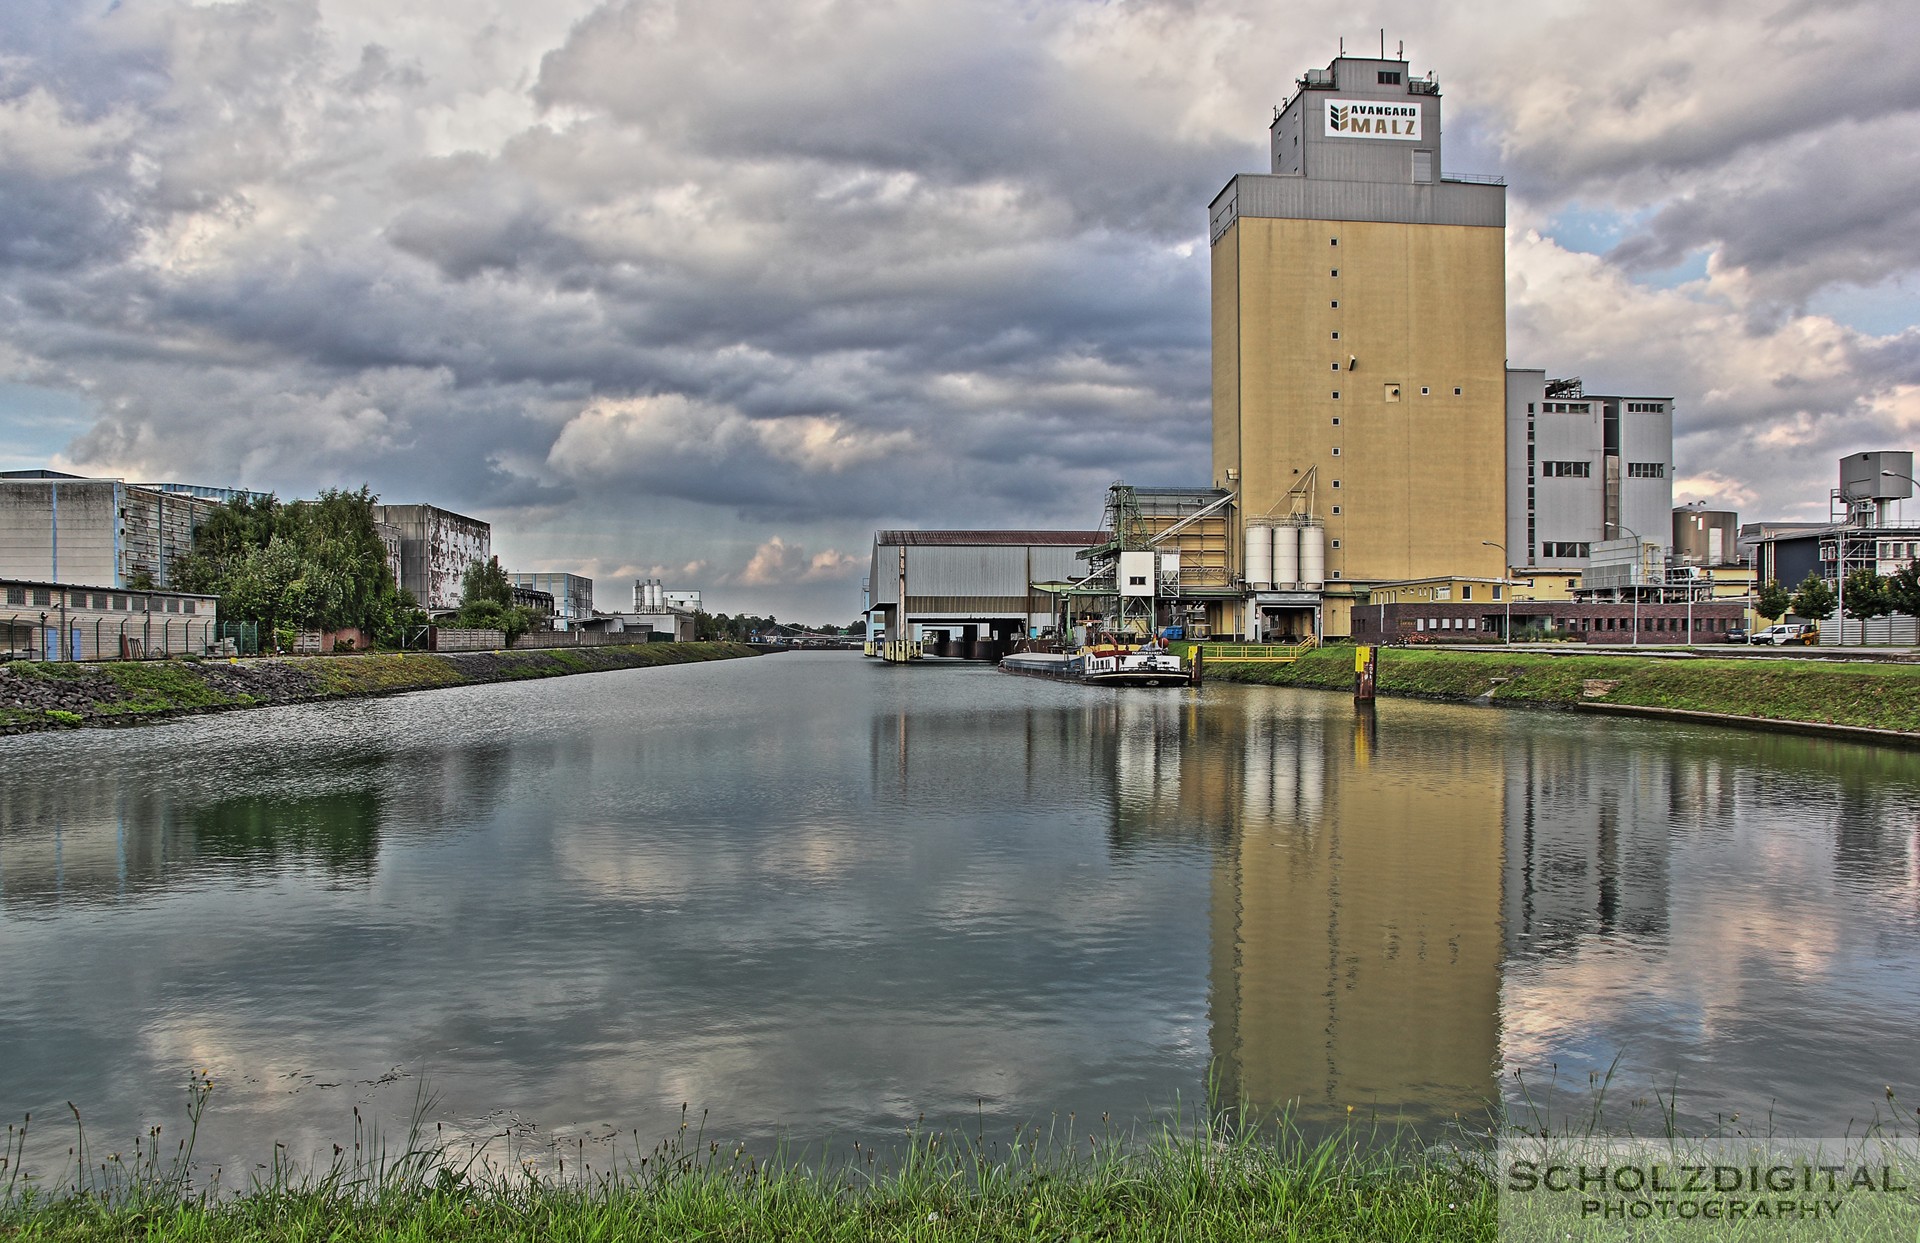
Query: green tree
x=1815, y=600
x=486, y=583
x=1903, y=589
x=486, y=601
x=310, y=564
x=1867, y=594
x=1772, y=601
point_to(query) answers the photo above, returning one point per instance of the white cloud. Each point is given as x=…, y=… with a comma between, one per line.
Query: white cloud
x=38, y=137
x=776, y=562
x=616, y=437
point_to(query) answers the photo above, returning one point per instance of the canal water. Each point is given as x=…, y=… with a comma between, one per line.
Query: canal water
x=815, y=898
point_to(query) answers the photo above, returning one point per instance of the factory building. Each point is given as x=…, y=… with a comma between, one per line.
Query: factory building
x=1359, y=351
x=572, y=595
x=61, y=528
x=1583, y=469
x=436, y=548
x=59, y=621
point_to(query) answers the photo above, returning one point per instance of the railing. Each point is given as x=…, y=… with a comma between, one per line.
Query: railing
x=139, y=637
x=1475, y=179
x=1257, y=653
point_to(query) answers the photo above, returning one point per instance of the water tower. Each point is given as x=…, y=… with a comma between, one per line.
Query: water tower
x=1869, y=481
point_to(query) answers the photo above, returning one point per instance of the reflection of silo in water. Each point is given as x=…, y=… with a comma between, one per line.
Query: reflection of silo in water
x=1146, y=756
x=1283, y=772
x=1356, y=941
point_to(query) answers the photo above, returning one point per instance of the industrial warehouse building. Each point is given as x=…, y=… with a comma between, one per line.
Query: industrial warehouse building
x=973, y=589
x=572, y=595
x=61, y=528
x=59, y=621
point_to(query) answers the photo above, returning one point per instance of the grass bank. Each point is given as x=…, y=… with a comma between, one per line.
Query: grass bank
x=1179, y=1187
x=1864, y=695
x=39, y=696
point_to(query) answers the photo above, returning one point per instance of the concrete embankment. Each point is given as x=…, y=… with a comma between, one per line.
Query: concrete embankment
x=1872, y=701
x=58, y=696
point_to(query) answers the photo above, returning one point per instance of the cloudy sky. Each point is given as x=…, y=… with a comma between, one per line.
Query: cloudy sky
x=713, y=289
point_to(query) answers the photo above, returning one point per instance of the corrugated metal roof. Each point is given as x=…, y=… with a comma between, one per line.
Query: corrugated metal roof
x=911, y=539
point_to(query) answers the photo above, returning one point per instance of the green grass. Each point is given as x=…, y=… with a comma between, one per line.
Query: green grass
x=156, y=686
x=382, y=671
x=1213, y=1184
x=1872, y=694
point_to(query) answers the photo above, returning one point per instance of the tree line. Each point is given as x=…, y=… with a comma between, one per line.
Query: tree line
x=1868, y=594
x=304, y=565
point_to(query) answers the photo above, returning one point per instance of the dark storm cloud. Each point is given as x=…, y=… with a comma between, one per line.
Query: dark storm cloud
x=1778, y=219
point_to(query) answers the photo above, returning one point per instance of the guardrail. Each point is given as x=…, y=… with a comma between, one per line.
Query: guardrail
x=1256, y=653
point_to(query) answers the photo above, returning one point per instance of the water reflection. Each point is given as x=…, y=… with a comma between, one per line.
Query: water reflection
x=1384, y=877
x=822, y=898
x=1355, y=945
x=85, y=833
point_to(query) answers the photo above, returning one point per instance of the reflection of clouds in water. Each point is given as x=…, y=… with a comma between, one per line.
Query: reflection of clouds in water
x=1703, y=921
x=623, y=863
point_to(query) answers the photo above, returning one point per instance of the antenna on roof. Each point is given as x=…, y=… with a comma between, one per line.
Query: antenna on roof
x=1383, y=43
x=1343, y=45
x=1403, y=49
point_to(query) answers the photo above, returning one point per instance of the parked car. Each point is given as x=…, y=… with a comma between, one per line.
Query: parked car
x=1804, y=633
x=1739, y=634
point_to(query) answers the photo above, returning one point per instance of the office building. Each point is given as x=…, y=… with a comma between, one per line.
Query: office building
x=1359, y=347
x=1584, y=469
x=572, y=595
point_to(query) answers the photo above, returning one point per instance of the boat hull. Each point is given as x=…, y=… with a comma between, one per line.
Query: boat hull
x=1135, y=669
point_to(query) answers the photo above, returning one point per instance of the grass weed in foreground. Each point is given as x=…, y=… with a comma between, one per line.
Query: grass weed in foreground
x=1209, y=1183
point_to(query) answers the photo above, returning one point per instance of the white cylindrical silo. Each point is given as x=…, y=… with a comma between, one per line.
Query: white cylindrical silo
x=1259, y=556
x=1313, y=557
x=1286, y=558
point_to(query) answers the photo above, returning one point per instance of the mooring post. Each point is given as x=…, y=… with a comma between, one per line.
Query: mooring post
x=1199, y=659
x=1365, y=660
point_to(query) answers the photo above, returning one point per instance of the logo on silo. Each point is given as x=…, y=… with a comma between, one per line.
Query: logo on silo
x=1360, y=118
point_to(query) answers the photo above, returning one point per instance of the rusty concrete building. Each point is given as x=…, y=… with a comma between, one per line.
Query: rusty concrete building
x=436, y=547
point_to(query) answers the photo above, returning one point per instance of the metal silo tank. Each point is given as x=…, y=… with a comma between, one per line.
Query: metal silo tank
x=1259, y=558
x=1313, y=557
x=1286, y=558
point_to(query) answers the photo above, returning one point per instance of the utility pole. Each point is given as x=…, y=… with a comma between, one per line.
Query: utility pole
x=1506, y=595
x=1637, y=559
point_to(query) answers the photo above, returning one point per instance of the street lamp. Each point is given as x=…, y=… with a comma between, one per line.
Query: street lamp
x=1506, y=597
x=1636, y=573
